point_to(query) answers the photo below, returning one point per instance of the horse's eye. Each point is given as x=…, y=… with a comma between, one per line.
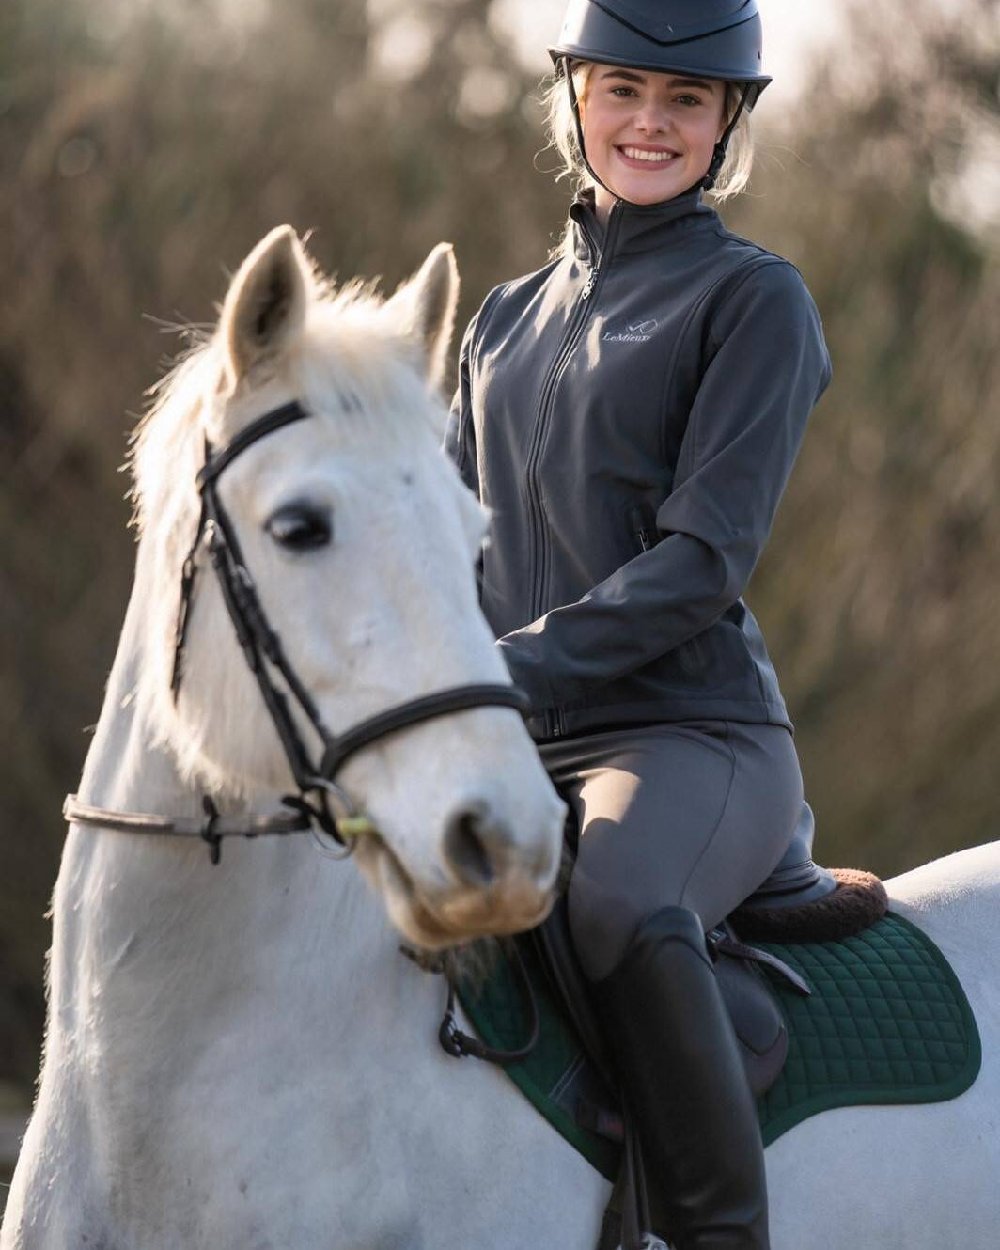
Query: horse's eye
x=301, y=527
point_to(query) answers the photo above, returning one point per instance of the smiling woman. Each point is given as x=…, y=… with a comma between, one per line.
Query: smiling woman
x=661, y=370
x=691, y=109
x=649, y=136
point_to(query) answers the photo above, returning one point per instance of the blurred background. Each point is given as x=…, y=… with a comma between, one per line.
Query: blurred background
x=147, y=146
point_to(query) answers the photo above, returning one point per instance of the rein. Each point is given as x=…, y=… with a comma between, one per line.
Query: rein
x=319, y=803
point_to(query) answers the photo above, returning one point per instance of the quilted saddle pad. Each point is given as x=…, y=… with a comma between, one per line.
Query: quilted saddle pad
x=887, y=1022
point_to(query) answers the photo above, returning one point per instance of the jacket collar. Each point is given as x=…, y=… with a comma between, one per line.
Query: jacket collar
x=639, y=228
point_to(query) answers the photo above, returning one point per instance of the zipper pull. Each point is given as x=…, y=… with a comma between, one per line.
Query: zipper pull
x=591, y=281
x=642, y=529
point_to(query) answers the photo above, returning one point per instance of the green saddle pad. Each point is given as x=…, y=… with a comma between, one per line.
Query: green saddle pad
x=887, y=1022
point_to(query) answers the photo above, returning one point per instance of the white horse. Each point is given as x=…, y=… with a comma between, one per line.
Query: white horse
x=236, y=1056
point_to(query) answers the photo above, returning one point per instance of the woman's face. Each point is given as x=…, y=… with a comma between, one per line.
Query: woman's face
x=649, y=136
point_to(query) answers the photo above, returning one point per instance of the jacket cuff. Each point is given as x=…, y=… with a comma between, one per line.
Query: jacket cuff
x=526, y=673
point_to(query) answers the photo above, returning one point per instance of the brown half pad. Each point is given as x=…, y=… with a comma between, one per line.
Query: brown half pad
x=855, y=905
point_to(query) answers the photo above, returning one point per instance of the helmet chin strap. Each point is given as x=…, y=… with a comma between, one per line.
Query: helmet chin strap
x=575, y=106
x=718, y=153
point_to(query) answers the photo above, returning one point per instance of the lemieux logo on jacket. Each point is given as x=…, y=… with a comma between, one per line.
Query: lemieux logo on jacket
x=639, y=332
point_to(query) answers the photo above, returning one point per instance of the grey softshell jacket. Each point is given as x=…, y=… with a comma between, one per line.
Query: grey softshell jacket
x=630, y=414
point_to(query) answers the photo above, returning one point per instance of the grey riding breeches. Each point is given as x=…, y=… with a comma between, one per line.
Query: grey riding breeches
x=692, y=814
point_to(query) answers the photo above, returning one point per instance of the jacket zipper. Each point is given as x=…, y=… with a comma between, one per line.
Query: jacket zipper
x=553, y=720
x=591, y=281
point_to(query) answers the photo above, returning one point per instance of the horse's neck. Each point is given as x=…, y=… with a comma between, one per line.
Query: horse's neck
x=258, y=1014
x=131, y=909
x=124, y=770
x=195, y=987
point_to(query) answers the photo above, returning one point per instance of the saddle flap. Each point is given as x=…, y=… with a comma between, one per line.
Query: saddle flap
x=757, y=1021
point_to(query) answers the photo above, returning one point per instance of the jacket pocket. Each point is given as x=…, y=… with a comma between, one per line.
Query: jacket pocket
x=693, y=657
x=642, y=527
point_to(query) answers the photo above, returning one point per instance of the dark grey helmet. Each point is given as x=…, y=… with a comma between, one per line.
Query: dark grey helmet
x=717, y=39
x=710, y=38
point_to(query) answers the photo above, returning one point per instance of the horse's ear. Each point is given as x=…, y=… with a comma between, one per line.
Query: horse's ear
x=265, y=307
x=426, y=307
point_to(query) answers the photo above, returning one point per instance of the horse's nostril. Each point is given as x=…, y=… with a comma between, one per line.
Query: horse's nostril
x=466, y=847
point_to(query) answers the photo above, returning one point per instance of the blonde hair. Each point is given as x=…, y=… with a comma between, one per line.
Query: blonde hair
x=733, y=178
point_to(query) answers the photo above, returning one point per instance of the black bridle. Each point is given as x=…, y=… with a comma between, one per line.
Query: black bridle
x=319, y=801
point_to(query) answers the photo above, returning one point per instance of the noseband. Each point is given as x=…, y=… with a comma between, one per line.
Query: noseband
x=319, y=802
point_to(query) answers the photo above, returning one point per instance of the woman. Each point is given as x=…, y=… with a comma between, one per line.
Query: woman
x=630, y=413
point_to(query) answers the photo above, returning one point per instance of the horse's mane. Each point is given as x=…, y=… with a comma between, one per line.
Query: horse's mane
x=353, y=366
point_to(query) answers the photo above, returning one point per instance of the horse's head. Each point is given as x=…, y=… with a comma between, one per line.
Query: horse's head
x=361, y=541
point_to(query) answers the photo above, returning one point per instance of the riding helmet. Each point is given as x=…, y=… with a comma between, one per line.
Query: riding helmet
x=710, y=38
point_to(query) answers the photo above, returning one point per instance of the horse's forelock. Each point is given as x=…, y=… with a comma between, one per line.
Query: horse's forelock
x=357, y=361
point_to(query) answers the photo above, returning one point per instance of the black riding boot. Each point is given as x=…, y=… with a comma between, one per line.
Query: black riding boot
x=683, y=1080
